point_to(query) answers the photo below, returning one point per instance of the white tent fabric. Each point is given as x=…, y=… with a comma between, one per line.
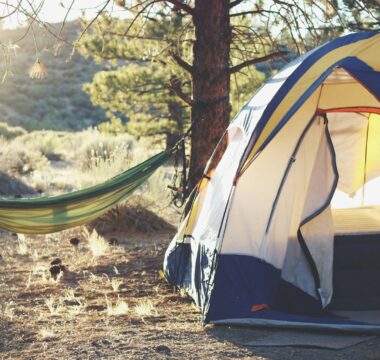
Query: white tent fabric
x=264, y=226
x=255, y=193
x=349, y=136
x=218, y=190
x=295, y=205
x=307, y=186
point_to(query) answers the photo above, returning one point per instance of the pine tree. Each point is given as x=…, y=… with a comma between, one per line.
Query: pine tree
x=139, y=84
x=212, y=41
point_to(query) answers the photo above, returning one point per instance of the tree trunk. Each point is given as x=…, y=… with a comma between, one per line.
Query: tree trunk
x=211, y=83
x=171, y=140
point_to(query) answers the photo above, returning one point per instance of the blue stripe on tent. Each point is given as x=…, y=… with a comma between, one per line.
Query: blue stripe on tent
x=296, y=75
x=240, y=282
x=363, y=73
x=243, y=281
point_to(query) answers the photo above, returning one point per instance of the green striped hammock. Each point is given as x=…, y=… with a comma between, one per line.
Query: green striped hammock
x=50, y=214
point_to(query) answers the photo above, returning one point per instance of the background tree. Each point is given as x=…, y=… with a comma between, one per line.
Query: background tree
x=179, y=50
x=230, y=35
x=139, y=83
x=222, y=44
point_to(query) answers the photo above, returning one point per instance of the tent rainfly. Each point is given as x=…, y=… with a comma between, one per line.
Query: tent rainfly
x=285, y=229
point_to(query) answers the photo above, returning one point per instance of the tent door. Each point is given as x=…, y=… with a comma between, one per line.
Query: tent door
x=316, y=231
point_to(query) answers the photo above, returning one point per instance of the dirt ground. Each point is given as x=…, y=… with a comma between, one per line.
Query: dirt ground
x=114, y=306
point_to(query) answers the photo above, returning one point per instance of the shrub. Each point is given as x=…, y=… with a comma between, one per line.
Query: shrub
x=106, y=155
x=17, y=160
x=49, y=145
x=10, y=132
x=114, y=127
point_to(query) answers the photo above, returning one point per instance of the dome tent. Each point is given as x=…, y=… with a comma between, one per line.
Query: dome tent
x=263, y=243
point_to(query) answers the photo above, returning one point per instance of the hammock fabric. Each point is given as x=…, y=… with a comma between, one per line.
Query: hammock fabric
x=50, y=214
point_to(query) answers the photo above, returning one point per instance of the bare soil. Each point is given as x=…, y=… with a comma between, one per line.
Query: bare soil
x=72, y=317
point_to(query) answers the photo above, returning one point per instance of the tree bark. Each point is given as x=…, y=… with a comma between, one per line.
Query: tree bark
x=211, y=83
x=172, y=139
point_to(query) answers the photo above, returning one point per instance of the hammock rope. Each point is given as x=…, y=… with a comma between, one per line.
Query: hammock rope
x=51, y=214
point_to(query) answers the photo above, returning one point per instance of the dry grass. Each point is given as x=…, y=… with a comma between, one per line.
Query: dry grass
x=145, y=308
x=119, y=308
x=54, y=305
x=22, y=246
x=115, y=284
x=47, y=334
x=96, y=243
x=7, y=310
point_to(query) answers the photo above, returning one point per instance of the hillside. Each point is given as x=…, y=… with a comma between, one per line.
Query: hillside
x=56, y=102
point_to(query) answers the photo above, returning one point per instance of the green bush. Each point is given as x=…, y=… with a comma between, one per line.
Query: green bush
x=10, y=132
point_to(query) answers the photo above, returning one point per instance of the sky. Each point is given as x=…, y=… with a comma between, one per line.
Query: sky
x=54, y=10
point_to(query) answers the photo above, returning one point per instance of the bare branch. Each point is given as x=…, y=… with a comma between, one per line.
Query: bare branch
x=34, y=17
x=93, y=20
x=182, y=63
x=65, y=18
x=244, y=64
x=15, y=8
x=253, y=12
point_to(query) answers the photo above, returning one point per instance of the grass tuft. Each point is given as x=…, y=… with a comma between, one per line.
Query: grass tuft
x=7, y=310
x=145, y=308
x=120, y=308
x=97, y=244
x=22, y=246
x=47, y=334
x=115, y=283
x=54, y=305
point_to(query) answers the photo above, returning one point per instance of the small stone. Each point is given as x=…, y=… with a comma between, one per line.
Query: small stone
x=163, y=349
x=56, y=269
x=74, y=241
x=56, y=261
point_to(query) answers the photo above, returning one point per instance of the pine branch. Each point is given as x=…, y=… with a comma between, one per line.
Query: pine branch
x=176, y=88
x=182, y=6
x=182, y=63
x=244, y=64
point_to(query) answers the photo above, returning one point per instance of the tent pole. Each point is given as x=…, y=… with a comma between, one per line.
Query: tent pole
x=365, y=162
x=287, y=170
